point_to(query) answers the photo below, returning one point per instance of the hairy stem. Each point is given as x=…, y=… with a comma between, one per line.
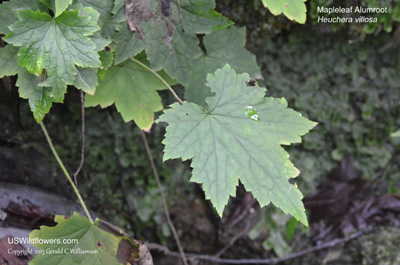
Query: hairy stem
x=159, y=77
x=65, y=172
x=164, y=201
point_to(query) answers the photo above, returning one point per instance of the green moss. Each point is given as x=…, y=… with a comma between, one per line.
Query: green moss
x=381, y=248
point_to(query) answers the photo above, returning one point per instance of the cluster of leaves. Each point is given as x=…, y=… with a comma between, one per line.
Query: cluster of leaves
x=89, y=45
x=112, y=50
x=70, y=49
x=348, y=88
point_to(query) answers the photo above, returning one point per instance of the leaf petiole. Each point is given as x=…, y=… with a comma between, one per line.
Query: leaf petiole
x=65, y=172
x=159, y=77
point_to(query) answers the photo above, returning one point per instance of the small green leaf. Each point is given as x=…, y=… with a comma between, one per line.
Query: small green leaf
x=225, y=145
x=276, y=242
x=291, y=228
x=292, y=9
x=75, y=240
x=38, y=97
x=56, y=45
x=133, y=89
x=8, y=61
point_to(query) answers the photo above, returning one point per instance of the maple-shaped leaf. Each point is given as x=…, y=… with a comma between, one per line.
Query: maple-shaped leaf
x=221, y=47
x=167, y=47
x=75, y=240
x=133, y=89
x=55, y=44
x=292, y=9
x=238, y=136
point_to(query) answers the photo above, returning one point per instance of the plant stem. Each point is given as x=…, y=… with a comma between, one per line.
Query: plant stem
x=164, y=201
x=65, y=172
x=159, y=77
x=215, y=259
x=83, y=138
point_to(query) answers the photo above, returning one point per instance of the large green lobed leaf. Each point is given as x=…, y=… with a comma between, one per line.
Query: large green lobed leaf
x=55, y=44
x=171, y=49
x=238, y=136
x=93, y=246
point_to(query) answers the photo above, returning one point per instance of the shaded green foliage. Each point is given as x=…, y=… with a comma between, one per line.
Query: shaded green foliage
x=381, y=248
x=352, y=91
